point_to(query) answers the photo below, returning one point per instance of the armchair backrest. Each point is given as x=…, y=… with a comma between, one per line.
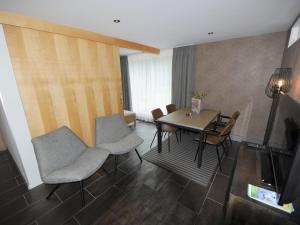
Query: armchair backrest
x=57, y=149
x=110, y=129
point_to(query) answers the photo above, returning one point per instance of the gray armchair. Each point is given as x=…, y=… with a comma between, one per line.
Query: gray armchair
x=63, y=158
x=114, y=135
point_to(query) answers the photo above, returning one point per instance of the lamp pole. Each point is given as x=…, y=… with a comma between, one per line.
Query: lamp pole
x=280, y=82
x=275, y=96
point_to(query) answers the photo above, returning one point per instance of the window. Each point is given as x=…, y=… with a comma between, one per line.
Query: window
x=295, y=33
x=150, y=82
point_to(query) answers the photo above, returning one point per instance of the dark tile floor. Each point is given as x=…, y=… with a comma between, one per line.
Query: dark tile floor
x=139, y=194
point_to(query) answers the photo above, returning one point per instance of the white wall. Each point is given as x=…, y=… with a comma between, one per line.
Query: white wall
x=13, y=121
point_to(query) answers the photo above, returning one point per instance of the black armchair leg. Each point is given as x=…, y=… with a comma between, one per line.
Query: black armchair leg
x=138, y=155
x=105, y=171
x=82, y=193
x=116, y=163
x=53, y=190
x=219, y=159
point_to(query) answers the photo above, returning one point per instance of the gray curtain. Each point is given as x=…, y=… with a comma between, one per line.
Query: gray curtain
x=182, y=76
x=125, y=83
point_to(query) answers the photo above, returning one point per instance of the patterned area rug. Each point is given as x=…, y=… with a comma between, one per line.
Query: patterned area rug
x=180, y=159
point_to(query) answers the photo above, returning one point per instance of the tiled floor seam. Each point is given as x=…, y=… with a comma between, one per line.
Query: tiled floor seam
x=32, y=204
x=207, y=193
x=219, y=203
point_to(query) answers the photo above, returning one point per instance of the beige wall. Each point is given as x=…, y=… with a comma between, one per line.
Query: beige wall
x=235, y=73
x=292, y=59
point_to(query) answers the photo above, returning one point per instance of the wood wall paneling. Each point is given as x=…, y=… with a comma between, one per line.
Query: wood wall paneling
x=42, y=25
x=64, y=80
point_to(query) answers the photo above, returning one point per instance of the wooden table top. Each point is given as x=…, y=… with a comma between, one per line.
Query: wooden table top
x=195, y=121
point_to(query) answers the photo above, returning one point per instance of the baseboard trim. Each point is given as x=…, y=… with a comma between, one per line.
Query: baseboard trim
x=254, y=141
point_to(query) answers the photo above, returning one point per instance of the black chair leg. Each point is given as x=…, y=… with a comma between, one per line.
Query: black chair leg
x=153, y=139
x=198, y=149
x=116, y=163
x=105, y=171
x=219, y=159
x=180, y=135
x=230, y=140
x=177, y=137
x=138, y=154
x=53, y=190
x=82, y=193
x=168, y=141
x=224, y=149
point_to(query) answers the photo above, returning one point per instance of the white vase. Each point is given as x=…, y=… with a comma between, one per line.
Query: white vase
x=197, y=105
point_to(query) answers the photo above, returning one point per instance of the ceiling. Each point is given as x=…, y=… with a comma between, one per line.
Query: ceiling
x=165, y=23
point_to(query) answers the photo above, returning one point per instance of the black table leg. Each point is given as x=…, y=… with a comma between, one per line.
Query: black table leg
x=201, y=151
x=159, y=137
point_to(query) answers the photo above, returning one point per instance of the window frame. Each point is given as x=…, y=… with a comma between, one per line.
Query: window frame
x=290, y=32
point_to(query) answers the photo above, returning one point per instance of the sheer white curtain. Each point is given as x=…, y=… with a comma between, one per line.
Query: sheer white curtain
x=150, y=81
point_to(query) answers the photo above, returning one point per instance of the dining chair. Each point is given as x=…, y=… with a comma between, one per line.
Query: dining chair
x=171, y=108
x=214, y=138
x=63, y=158
x=220, y=124
x=114, y=135
x=156, y=114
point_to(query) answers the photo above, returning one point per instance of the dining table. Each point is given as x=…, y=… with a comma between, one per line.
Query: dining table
x=185, y=119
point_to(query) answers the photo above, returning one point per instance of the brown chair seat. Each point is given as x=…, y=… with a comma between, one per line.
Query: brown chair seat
x=210, y=139
x=214, y=127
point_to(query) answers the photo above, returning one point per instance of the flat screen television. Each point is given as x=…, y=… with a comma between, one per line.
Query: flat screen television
x=284, y=149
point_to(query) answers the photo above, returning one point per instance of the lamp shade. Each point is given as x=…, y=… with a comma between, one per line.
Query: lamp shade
x=280, y=81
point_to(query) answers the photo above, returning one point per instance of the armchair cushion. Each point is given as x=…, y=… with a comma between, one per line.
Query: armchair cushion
x=110, y=129
x=126, y=144
x=83, y=167
x=57, y=149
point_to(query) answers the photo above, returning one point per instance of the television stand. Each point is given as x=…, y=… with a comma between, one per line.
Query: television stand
x=240, y=208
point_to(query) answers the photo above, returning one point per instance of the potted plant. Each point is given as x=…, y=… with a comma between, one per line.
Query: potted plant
x=198, y=101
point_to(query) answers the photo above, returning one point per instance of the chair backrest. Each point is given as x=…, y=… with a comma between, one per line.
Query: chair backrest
x=57, y=149
x=235, y=115
x=227, y=129
x=110, y=129
x=157, y=113
x=171, y=108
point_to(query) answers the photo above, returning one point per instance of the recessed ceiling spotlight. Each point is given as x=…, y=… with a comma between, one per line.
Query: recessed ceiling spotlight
x=210, y=33
x=117, y=21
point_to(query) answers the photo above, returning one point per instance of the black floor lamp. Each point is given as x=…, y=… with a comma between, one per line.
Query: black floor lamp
x=279, y=83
